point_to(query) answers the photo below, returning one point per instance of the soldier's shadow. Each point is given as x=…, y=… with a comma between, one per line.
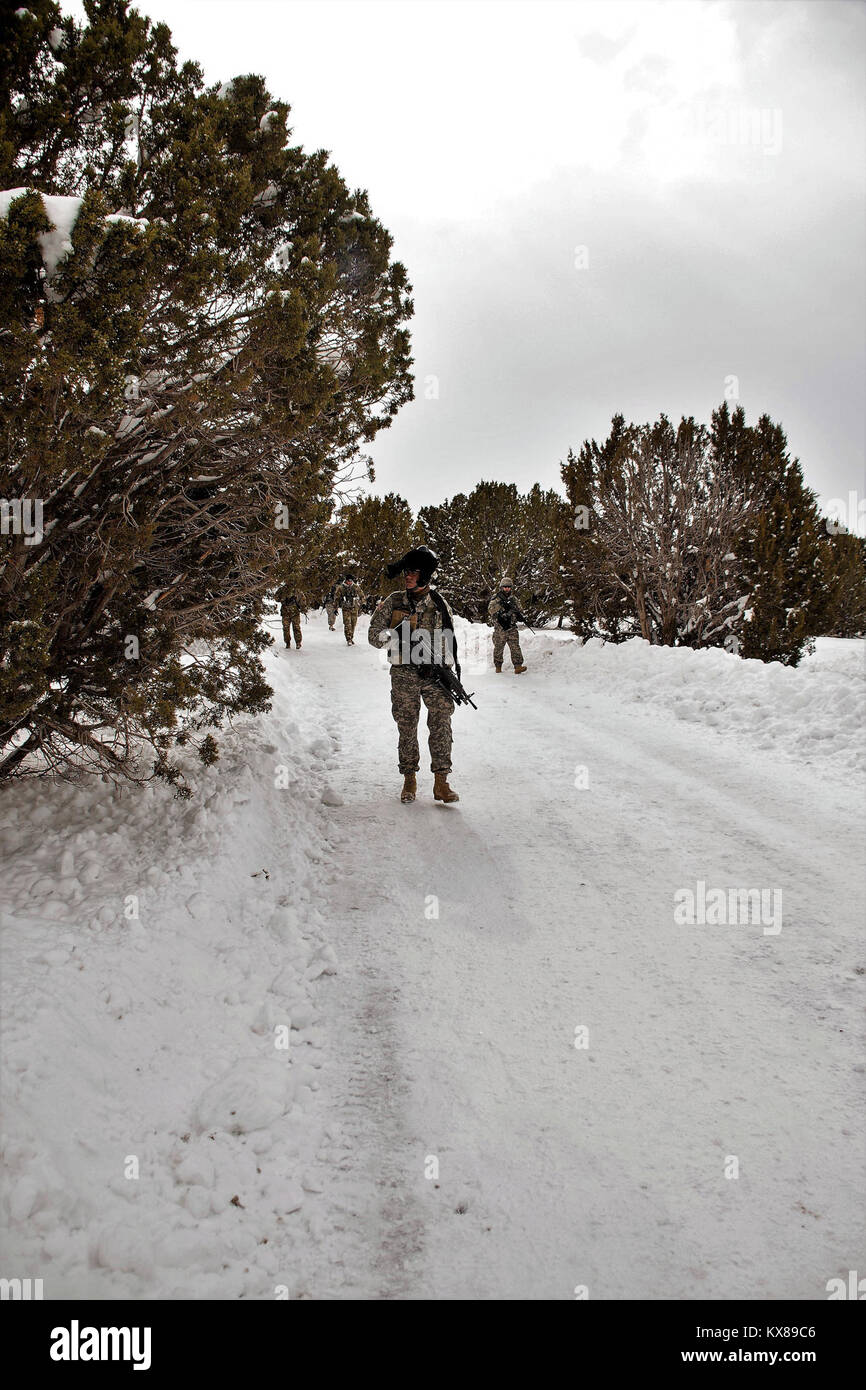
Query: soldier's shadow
x=434, y=862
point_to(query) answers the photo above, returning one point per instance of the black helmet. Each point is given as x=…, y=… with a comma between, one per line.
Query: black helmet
x=349, y=576
x=421, y=559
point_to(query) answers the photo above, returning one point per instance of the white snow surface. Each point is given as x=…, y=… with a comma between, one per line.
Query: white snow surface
x=139, y=222
x=432, y=1130
x=62, y=211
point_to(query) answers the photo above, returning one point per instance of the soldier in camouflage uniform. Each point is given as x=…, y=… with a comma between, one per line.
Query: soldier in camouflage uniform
x=349, y=597
x=431, y=620
x=503, y=612
x=331, y=607
x=292, y=604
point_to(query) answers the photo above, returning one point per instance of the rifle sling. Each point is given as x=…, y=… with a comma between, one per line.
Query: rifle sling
x=446, y=623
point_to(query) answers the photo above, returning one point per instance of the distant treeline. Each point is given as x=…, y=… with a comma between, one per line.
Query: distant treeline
x=686, y=536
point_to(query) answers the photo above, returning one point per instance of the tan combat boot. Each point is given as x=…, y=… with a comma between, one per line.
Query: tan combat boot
x=410, y=787
x=441, y=789
x=518, y=670
x=498, y=670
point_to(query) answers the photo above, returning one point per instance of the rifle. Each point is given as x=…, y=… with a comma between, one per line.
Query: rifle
x=446, y=676
x=507, y=617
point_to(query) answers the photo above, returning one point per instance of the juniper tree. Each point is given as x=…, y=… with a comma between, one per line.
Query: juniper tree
x=370, y=531
x=847, y=609
x=785, y=556
x=192, y=357
x=698, y=537
x=495, y=530
x=600, y=604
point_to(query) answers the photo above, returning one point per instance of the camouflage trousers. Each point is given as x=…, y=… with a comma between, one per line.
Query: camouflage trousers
x=291, y=624
x=331, y=612
x=408, y=689
x=500, y=637
x=350, y=618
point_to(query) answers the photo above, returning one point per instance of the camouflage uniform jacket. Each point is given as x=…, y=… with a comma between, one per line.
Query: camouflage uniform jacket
x=508, y=607
x=423, y=613
x=292, y=600
x=345, y=597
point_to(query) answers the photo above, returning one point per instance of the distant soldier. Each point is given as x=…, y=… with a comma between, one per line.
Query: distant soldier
x=331, y=607
x=430, y=623
x=349, y=597
x=292, y=604
x=504, y=613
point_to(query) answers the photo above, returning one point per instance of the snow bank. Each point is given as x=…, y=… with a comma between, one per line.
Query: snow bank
x=813, y=713
x=162, y=965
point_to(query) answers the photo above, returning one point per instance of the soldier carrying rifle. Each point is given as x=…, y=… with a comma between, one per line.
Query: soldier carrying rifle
x=330, y=607
x=349, y=597
x=504, y=613
x=419, y=625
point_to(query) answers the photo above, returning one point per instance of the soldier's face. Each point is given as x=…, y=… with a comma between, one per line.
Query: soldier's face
x=412, y=577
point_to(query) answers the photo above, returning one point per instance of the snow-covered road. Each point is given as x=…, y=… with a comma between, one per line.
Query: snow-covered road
x=512, y=1073
x=476, y=939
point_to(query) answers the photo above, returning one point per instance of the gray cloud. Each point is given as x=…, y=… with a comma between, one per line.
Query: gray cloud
x=710, y=156
x=752, y=268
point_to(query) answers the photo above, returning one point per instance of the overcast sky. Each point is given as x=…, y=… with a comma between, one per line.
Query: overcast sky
x=602, y=207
